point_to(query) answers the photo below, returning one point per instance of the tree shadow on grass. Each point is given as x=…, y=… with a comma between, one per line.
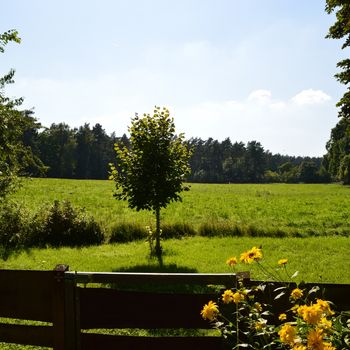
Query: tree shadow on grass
x=10, y=252
x=157, y=287
x=154, y=268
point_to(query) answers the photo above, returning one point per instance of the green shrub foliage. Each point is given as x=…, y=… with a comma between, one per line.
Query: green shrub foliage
x=12, y=228
x=56, y=226
x=127, y=232
x=63, y=225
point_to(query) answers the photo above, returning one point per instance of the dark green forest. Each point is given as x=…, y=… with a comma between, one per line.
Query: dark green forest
x=85, y=153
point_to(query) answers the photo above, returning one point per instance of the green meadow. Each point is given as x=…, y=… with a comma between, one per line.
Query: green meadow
x=309, y=225
x=250, y=209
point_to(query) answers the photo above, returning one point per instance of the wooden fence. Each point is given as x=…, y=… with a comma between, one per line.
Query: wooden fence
x=74, y=306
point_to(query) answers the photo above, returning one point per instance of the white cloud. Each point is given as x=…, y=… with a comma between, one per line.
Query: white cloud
x=310, y=97
x=282, y=126
x=278, y=105
x=261, y=96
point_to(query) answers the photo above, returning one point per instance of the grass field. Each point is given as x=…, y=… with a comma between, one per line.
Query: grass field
x=271, y=209
x=318, y=259
x=278, y=209
x=310, y=210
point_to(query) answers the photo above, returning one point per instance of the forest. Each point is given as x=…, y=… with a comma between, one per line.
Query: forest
x=86, y=152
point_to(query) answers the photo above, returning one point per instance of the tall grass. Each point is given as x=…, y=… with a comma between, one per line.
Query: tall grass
x=235, y=209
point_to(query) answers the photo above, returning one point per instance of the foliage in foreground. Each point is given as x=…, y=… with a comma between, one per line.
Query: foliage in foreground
x=307, y=323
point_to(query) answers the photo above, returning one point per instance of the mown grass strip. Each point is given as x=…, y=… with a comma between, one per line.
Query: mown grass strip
x=318, y=259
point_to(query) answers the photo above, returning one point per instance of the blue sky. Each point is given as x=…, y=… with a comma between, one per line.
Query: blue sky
x=248, y=70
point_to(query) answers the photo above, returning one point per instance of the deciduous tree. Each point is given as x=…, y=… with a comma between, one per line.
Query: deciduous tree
x=151, y=172
x=15, y=155
x=339, y=145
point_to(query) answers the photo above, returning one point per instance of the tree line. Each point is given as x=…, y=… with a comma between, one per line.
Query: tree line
x=86, y=152
x=226, y=162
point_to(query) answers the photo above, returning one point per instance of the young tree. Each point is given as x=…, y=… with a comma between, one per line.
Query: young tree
x=15, y=155
x=338, y=148
x=150, y=173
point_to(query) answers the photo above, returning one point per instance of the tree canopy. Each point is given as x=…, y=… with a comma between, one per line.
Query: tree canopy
x=16, y=157
x=338, y=147
x=85, y=153
x=150, y=173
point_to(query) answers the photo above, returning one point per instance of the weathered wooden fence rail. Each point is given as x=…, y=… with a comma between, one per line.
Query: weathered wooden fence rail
x=73, y=306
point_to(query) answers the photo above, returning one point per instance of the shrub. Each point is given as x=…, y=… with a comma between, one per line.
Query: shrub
x=63, y=225
x=12, y=225
x=220, y=229
x=126, y=232
x=177, y=230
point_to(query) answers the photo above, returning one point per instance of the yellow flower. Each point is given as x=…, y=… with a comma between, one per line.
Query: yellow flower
x=299, y=347
x=295, y=308
x=287, y=334
x=311, y=314
x=210, y=311
x=324, y=306
x=328, y=346
x=282, y=262
x=282, y=317
x=238, y=297
x=231, y=261
x=248, y=257
x=256, y=253
x=324, y=323
x=259, y=325
x=296, y=293
x=258, y=307
x=315, y=340
x=227, y=296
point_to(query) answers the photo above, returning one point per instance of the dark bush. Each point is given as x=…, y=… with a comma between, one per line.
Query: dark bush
x=63, y=225
x=12, y=227
x=220, y=229
x=126, y=232
x=178, y=230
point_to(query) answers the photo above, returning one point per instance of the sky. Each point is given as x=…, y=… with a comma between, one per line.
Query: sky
x=248, y=70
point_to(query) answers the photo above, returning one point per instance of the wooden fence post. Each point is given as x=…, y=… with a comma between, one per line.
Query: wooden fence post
x=72, y=314
x=64, y=334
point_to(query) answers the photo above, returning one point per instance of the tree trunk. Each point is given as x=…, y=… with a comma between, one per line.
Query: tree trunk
x=158, y=248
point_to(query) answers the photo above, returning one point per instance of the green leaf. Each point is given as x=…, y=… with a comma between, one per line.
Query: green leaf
x=295, y=274
x=278, y=296
x=314, y=289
